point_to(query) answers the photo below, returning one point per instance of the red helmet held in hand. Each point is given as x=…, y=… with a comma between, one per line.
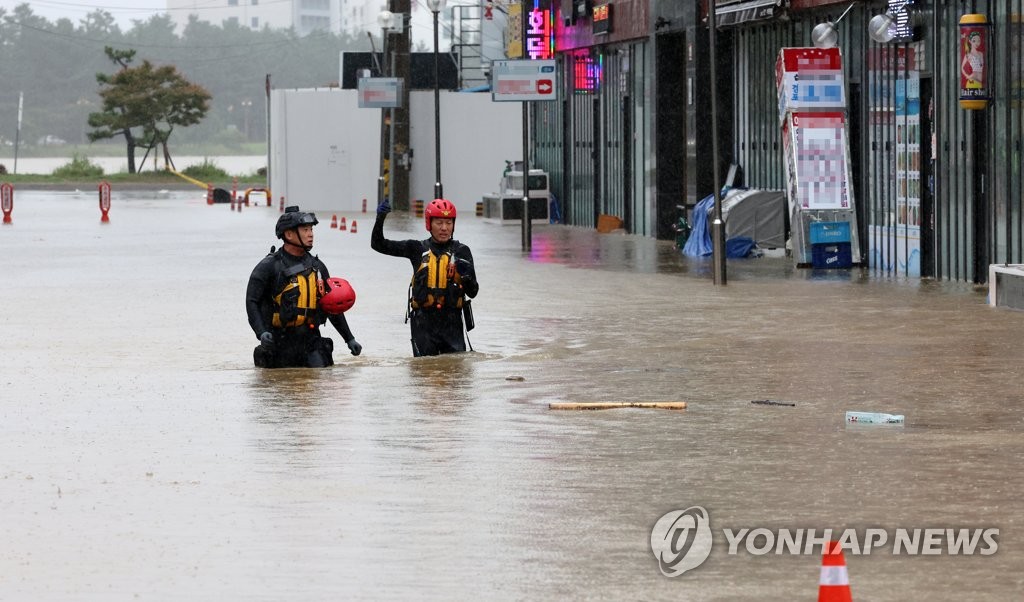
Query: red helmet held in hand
x=336, y=296
x=439, y=208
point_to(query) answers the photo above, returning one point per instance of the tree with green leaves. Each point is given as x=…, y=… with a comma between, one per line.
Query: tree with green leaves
x=153, y=99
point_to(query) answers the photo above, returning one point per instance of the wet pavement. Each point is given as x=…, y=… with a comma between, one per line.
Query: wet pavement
x=144, y=458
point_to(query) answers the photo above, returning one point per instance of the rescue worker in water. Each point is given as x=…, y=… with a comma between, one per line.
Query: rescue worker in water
x=282, y=298
x=443, y=279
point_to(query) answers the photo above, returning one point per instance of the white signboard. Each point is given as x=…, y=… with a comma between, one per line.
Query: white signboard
x=379, y=92
x=523, y=80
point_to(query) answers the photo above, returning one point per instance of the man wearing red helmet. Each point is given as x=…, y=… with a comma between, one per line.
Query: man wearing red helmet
x=443, y=279
x=282, y=301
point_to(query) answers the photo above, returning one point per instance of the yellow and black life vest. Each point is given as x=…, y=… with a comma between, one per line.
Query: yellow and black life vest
x=296, y=304
x=436, y=284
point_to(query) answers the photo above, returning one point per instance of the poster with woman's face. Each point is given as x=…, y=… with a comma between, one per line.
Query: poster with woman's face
x=973, y=75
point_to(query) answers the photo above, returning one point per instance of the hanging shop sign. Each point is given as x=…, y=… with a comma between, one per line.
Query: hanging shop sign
x=974, y=81
x=519, y=80
x=602, y=19
x=540, y=41
x=737, y=12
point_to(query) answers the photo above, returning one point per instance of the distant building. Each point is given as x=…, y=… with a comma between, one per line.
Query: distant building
x=305, y=16
x=352, y=17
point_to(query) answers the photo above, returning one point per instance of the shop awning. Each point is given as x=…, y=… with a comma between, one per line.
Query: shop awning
x=736, y=13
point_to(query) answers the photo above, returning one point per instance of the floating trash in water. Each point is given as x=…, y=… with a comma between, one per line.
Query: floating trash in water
x=769, y=402
x=874, y=418
x=516, y=378
x=607, y=405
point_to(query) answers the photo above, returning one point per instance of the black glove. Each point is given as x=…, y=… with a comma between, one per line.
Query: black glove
x=465, y=269
x=384, y=207
x=354, y=345
x=267, y=341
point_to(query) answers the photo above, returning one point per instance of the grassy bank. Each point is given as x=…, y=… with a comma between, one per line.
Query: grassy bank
x=118, y=150
x=81, y=172
x=147, y=179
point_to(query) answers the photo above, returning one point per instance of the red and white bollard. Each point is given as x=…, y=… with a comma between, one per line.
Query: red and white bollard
x=234, y=190
x=282, y=204
x=353, y=230
x=7, y=200
x=209, y=194
x=104, y=200
x=364, y=205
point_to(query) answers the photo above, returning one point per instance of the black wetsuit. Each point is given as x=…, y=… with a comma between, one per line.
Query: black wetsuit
x=433, y=332
x=296, y=346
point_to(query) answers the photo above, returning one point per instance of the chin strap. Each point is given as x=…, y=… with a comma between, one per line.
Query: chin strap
x=303, y=247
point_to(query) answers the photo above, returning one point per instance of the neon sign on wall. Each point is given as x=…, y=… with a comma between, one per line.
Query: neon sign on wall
x=540, y=43
x=587, y=73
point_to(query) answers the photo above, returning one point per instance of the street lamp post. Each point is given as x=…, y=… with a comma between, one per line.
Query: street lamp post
x=717, y=225
x=435, y=6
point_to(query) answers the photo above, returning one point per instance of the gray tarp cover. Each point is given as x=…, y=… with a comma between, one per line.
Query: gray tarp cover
x=756, y=214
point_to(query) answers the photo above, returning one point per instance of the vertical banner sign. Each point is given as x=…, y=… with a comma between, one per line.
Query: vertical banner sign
x=812, y=115
x=538, y=34
x=7, y=200
x=974, y=80
x=104, y=200
x=819, y=160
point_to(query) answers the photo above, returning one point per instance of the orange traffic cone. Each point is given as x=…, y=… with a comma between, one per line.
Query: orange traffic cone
x=834, y=584
x=341, y=224
x=353, y=226
x=334, y=221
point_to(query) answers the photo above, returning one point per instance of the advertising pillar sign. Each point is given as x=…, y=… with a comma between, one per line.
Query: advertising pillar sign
x=812, y=115
x=974, y=79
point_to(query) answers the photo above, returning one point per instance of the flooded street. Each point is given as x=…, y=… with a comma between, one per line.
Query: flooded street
x=144, y=458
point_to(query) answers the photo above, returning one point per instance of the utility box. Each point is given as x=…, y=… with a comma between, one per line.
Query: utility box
x=831, y=255
x=830, y=245
x=830, y=232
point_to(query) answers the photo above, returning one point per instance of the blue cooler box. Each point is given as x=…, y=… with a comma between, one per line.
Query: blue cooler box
x=830, y=232
x=831, y=255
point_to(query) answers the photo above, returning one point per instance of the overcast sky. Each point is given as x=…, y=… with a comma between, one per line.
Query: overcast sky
x=125, y=11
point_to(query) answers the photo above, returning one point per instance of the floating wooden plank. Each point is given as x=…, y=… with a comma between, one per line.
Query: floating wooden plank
x=607, y=405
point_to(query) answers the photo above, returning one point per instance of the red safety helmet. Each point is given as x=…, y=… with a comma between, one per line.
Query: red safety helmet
x=336, y=296
x=439, y=208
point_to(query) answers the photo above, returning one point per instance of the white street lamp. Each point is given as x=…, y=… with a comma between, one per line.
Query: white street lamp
x=435, y=6
x=825, y=35
x=881, y=29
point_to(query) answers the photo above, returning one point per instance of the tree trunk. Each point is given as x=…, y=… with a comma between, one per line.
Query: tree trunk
x=167, y=155
x=129, y=140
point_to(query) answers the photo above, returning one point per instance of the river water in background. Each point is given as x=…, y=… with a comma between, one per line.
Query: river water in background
x=144, y=458
x=233, y=164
